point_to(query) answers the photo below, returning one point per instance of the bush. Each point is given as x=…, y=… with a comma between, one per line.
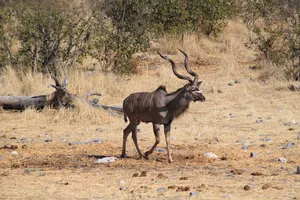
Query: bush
x=52, y=33
x=200, y=16
x=133, y=23
x=123, y=34
x=49, y=35
x=209, y=16
x=276, y=24
x=8, y=36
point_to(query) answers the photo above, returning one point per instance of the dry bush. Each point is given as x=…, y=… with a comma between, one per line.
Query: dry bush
x=272, y=73
x=227, y=52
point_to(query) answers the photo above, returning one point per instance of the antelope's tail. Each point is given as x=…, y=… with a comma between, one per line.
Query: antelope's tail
x=125, y=117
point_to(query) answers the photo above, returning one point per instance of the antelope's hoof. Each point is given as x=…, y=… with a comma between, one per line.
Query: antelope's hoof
x=123, y=156
x=146, y=157
x=147, y=153
x=140, y=157
x=170, y=160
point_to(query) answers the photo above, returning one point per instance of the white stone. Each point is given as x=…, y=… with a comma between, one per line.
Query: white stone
x=106, y=160
x=210, y=155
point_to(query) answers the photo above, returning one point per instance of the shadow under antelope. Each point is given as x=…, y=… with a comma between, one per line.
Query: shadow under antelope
x=160, y=107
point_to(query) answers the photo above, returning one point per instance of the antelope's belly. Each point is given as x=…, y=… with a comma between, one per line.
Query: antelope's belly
x=153, y=117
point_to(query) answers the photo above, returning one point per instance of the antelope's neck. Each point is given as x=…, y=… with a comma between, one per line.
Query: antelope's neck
x=176, y=96
x=176, y=100
x=176, y=103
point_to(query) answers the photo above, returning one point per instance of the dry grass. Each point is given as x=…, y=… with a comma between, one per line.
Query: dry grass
x=213, y=126
x=227, y=50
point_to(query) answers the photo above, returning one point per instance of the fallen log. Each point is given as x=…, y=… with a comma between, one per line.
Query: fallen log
x=23, y=102
x=60, y=98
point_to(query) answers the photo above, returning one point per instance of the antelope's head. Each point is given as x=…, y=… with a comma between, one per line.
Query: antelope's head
x=193, y=92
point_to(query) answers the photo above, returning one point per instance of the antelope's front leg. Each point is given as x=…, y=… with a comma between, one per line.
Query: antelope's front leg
x=167, y=128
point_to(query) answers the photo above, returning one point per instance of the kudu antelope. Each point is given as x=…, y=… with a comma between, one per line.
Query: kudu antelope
x=160, y=107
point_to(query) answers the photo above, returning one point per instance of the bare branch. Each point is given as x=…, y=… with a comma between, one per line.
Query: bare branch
x=91, y=94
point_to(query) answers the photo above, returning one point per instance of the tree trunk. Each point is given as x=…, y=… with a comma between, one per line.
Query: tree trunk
x=113, y=109
x=23, y=102
x=41, y=101
x=35, y=56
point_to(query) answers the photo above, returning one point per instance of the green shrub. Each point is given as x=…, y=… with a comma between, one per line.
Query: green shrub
x=52, y=33
x=276, y=24
x=49, y=34
x=123, y=34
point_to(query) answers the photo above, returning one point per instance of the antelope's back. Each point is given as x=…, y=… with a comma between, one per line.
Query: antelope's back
x=140, y=104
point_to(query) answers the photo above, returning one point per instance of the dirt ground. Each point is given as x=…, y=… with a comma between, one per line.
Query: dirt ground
x=41, y=157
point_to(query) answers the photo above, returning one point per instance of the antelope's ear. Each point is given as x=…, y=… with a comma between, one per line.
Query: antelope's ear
x=199, y=83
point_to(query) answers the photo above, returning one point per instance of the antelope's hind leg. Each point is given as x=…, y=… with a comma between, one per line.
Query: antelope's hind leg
x=157, y=140
x=126, y=132
x=134, y=137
